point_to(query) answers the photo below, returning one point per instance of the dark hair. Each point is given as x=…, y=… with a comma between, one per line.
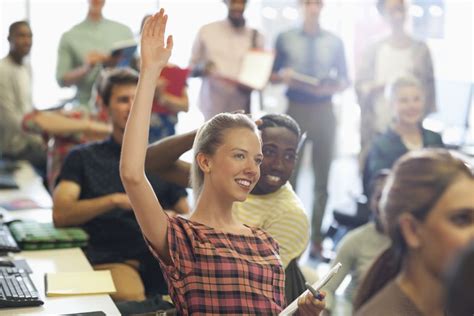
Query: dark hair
x=417, y=181
x=380, y=5
x=459, y=286
x=15, y=25
x=209, y=137
x=280, y=120
x=115, y=77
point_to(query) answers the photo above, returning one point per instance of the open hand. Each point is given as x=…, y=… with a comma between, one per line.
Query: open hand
x=154, y=53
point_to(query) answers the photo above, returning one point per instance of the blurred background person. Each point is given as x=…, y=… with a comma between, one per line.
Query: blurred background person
x=16, y=100
x=311, y=62
x=397, y=55
x=407, y=102
x=217, y=55
x=85, y=48
x=360, y=247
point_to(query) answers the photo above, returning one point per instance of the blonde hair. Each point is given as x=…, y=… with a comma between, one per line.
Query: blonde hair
x=210, y=136
x=402, y=82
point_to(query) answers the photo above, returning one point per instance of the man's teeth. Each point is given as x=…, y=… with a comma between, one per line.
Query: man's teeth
x=273, y=178
x=244, y=183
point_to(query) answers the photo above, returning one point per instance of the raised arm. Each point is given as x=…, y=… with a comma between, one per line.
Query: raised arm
x=162, y=158
x=148, y=211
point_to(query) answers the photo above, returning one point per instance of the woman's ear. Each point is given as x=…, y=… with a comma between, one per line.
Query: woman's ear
x=203, y=162
x=410, y=230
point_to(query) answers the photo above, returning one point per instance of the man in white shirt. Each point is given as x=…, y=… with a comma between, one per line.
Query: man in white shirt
x=217, y=55
x=16, y=100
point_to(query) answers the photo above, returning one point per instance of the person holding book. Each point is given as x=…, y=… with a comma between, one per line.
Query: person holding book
x=85, y=48
x=311, y=62
x=213, y=264
x=428, y=212
x=217, y=55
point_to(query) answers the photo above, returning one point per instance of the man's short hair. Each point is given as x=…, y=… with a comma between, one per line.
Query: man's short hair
x=115, y=77
x=15, y=25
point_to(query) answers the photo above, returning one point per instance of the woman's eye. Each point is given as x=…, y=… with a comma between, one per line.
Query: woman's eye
x=463, y=219
x=239, y=156
x=258, y=161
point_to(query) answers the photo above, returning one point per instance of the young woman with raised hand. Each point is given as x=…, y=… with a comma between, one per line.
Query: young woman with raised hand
x=428, y=212
x=213, y=264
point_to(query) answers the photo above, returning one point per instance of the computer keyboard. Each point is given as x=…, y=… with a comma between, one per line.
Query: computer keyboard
x=17, y=289
x=7, y=242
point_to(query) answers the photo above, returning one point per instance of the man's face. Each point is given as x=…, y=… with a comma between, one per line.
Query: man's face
x=21, y=40
x=311, y=9
x=279, y=147
x=120, y=103
x=236, y=10
x=96, y=6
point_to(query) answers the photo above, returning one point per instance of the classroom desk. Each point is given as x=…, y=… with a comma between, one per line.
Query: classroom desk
x=44, y=261
x=31, y=187
x=60, y=260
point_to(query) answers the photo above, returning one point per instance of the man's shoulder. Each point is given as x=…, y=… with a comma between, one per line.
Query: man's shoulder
x=88, y=148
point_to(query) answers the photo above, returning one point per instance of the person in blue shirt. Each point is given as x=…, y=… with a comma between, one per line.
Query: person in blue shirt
x=311, y=62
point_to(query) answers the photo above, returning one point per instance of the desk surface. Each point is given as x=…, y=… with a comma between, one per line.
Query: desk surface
x=45, y=261
x=61, y=260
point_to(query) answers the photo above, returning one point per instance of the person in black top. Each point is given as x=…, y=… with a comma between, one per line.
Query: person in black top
x=90, y=194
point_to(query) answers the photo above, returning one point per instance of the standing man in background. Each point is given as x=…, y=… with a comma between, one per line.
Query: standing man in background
x=311, y=62
x=85, y=47
x=217, y=55
x=16, y=100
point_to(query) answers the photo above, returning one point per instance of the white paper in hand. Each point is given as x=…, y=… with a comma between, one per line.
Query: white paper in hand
x=293, y=307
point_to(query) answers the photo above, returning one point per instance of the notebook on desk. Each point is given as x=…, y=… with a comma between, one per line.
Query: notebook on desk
x=79, y=283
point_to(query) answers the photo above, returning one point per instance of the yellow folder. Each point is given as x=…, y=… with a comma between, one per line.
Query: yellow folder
x=79, y=283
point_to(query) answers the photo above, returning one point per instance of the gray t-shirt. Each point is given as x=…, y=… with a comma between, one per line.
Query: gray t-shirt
x=390, y=301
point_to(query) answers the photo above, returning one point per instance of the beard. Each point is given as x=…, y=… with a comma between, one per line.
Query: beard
x=236, y=22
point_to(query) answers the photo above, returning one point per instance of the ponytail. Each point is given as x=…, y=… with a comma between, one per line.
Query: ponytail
x=383, y=270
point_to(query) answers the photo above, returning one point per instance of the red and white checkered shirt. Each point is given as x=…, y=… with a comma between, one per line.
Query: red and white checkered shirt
x=215, y=273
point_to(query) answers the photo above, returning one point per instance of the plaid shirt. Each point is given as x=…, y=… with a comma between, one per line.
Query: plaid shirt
x=215, y=273
x=60, y=145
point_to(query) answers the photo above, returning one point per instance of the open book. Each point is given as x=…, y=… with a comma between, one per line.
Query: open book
x=256, y=69
x=124, y=51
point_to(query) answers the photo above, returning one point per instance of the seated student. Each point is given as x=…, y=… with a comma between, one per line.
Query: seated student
x=90, y=195
x=16, y=100
x=361, y=246
x=459, y=284
x=406, y=133
x=427, y=209
x=213, y=263
x=272, y=205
